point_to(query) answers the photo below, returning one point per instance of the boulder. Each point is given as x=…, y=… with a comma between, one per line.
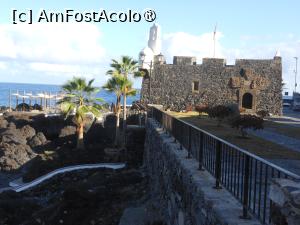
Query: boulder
x=11, y=135
x=11, y=125
x=37, y=140
x=50, y=126
x=27, y=132
x=67, y=131
x=13, y=156
x=3, y=123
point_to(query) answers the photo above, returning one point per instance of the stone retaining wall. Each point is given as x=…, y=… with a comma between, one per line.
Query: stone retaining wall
x=285, y=195
x=182, y=194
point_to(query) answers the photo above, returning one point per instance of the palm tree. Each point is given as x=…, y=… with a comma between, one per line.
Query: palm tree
x=120, y=85
x=80, y=100
x=126, y=66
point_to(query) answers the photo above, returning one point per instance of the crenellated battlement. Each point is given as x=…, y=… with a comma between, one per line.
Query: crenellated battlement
x=191, y=60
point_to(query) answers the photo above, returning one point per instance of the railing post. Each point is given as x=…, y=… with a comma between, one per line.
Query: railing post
x=218, y=165
x=190, y=142
x=168, y=126
x=201, y=151
x=152, y=112
x=246, y=187
x=174, y=129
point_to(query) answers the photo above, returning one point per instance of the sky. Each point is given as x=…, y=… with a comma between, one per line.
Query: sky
x=52, y=53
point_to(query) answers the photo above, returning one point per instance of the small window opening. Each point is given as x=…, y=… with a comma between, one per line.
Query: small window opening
x=196, y=85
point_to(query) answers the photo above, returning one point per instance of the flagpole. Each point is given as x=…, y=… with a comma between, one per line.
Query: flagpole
x=215, y=31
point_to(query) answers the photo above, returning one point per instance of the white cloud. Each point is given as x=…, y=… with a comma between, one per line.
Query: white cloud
x=54, y=43
x=52, y=53
x=2, y=65
x=184, y=44
x=201, y=46
x=57, y=68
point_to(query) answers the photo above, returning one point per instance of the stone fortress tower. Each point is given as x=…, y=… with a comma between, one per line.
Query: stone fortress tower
x=154, y=41
x=146, y=56
x=251, y=84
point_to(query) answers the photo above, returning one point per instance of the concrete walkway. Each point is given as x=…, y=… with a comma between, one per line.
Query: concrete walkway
x=289, y=164
x=285, y=141
x=19, y=186
x=288, y=142
x=290, y=121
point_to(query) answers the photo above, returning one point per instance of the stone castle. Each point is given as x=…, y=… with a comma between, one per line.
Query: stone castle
x=250, y=84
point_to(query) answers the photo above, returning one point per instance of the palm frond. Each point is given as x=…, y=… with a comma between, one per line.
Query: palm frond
x=139, y=74
x=131, y=92
x=79, y=98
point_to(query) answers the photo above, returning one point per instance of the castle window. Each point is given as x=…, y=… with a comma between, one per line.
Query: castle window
x=196, y=86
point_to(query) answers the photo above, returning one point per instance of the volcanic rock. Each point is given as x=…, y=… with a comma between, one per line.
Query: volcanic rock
x=11, y=125
x=12, y=135
x=27, y=132
x=14, y=155
x=37, y=140
x=3, y=123
x=67, y=131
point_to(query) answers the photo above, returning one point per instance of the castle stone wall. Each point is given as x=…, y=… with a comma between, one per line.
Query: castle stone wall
x=172, y=84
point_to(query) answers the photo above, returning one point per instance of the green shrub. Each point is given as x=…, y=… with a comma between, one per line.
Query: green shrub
x=247, y=121
x=201, y=109
x=220, y=112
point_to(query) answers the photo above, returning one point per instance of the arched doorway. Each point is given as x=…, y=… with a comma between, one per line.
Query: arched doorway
x=247, y=101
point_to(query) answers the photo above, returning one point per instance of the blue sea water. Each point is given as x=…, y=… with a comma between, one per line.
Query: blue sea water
x=6, y=88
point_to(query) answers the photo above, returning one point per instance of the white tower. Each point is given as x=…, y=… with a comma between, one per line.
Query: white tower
x=146, y=56
x=154, y=41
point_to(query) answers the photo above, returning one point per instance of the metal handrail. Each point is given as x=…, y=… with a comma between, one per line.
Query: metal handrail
x=246, y=175
x=291, y=174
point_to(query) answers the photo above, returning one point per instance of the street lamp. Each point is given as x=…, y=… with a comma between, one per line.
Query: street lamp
x=150, y=64
x=296, y=74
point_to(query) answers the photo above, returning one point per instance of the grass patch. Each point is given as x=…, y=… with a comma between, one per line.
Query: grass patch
x=253, y=144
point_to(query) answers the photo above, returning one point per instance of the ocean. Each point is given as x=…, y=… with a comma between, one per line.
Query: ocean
x=6, y=88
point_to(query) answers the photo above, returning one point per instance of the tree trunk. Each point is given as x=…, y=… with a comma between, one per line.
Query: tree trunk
x=80, y=143
x=140, y=119
x=244, y=132
x=124, y=118
x=117, y=136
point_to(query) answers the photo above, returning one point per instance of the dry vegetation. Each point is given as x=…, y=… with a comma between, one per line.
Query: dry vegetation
x=253, y=144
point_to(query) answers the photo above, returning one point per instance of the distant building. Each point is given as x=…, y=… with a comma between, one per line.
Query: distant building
x=251, y=84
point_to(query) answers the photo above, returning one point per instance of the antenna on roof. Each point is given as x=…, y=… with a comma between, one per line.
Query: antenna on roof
x=215, y=31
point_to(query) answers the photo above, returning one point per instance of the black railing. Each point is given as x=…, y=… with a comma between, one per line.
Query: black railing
x=244, y=174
